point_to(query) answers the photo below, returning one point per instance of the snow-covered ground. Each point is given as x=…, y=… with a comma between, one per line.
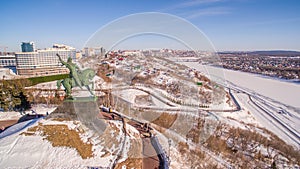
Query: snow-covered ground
x=20, y=151
x=35, y=109
x=34, y=151
x=129, y=94
x=7, y=73
x=42, y=109
x=12, y=115
x=263, y=120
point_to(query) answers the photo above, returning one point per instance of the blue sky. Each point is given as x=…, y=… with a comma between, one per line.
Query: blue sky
x=229, y=24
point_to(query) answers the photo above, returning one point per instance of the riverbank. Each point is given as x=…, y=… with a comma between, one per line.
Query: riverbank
x=279, y=90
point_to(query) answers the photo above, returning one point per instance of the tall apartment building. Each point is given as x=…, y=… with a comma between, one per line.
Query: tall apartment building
x=27, y=47
x=44, y=62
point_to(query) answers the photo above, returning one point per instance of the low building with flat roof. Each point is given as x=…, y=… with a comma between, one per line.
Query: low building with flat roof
x=8, y=61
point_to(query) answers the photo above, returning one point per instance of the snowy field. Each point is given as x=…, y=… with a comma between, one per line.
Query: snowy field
x=19, y=151
x=281, y=91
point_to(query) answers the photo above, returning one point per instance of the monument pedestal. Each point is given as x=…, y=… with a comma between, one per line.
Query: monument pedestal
x=83, y=109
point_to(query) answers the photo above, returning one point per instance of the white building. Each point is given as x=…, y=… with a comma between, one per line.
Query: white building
x=44, y=62
x=93, y=51
x=7, y=60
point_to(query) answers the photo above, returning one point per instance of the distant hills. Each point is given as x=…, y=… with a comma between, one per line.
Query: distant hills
x=267, y=52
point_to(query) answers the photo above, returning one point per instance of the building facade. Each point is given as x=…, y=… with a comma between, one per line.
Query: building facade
x=8, y=61
x=44, y=62
x=93, y=51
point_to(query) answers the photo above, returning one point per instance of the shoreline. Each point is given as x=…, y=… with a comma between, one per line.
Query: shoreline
x=295, y=81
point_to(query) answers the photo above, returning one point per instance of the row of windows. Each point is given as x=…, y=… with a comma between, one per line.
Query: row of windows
x=25, y=59
x=43, y=58
x=7, y=61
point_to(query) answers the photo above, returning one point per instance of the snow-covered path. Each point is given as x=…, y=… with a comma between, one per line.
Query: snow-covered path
x=17, y=128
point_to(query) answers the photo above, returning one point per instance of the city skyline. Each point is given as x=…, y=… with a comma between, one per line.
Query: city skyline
x=228, y=24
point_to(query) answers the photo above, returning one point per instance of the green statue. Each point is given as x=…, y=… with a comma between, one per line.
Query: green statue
x=77, y=78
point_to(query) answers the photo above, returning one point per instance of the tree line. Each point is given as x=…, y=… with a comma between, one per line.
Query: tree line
x=13, y=95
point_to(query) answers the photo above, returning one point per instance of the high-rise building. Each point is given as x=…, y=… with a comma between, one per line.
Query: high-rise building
x=27, y=47
x=44, y=62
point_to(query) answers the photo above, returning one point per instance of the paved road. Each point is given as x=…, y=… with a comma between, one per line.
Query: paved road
x=268, y=117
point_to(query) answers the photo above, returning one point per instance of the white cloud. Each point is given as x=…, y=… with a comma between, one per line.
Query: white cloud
x=198, y=2
x=206, y=12
x=191, y=3
x=197, y=8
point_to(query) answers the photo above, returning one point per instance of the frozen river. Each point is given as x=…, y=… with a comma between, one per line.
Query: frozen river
x=285, y=92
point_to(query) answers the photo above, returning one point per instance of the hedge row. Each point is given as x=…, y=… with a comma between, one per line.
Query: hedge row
x=43, y=79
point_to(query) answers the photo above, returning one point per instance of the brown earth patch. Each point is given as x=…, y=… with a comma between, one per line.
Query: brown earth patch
x=61, y=119
x=165, y=120
x=62, y=136
x=7, y=123
x=194, y=157
x=135, y=163
x=194, y=132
